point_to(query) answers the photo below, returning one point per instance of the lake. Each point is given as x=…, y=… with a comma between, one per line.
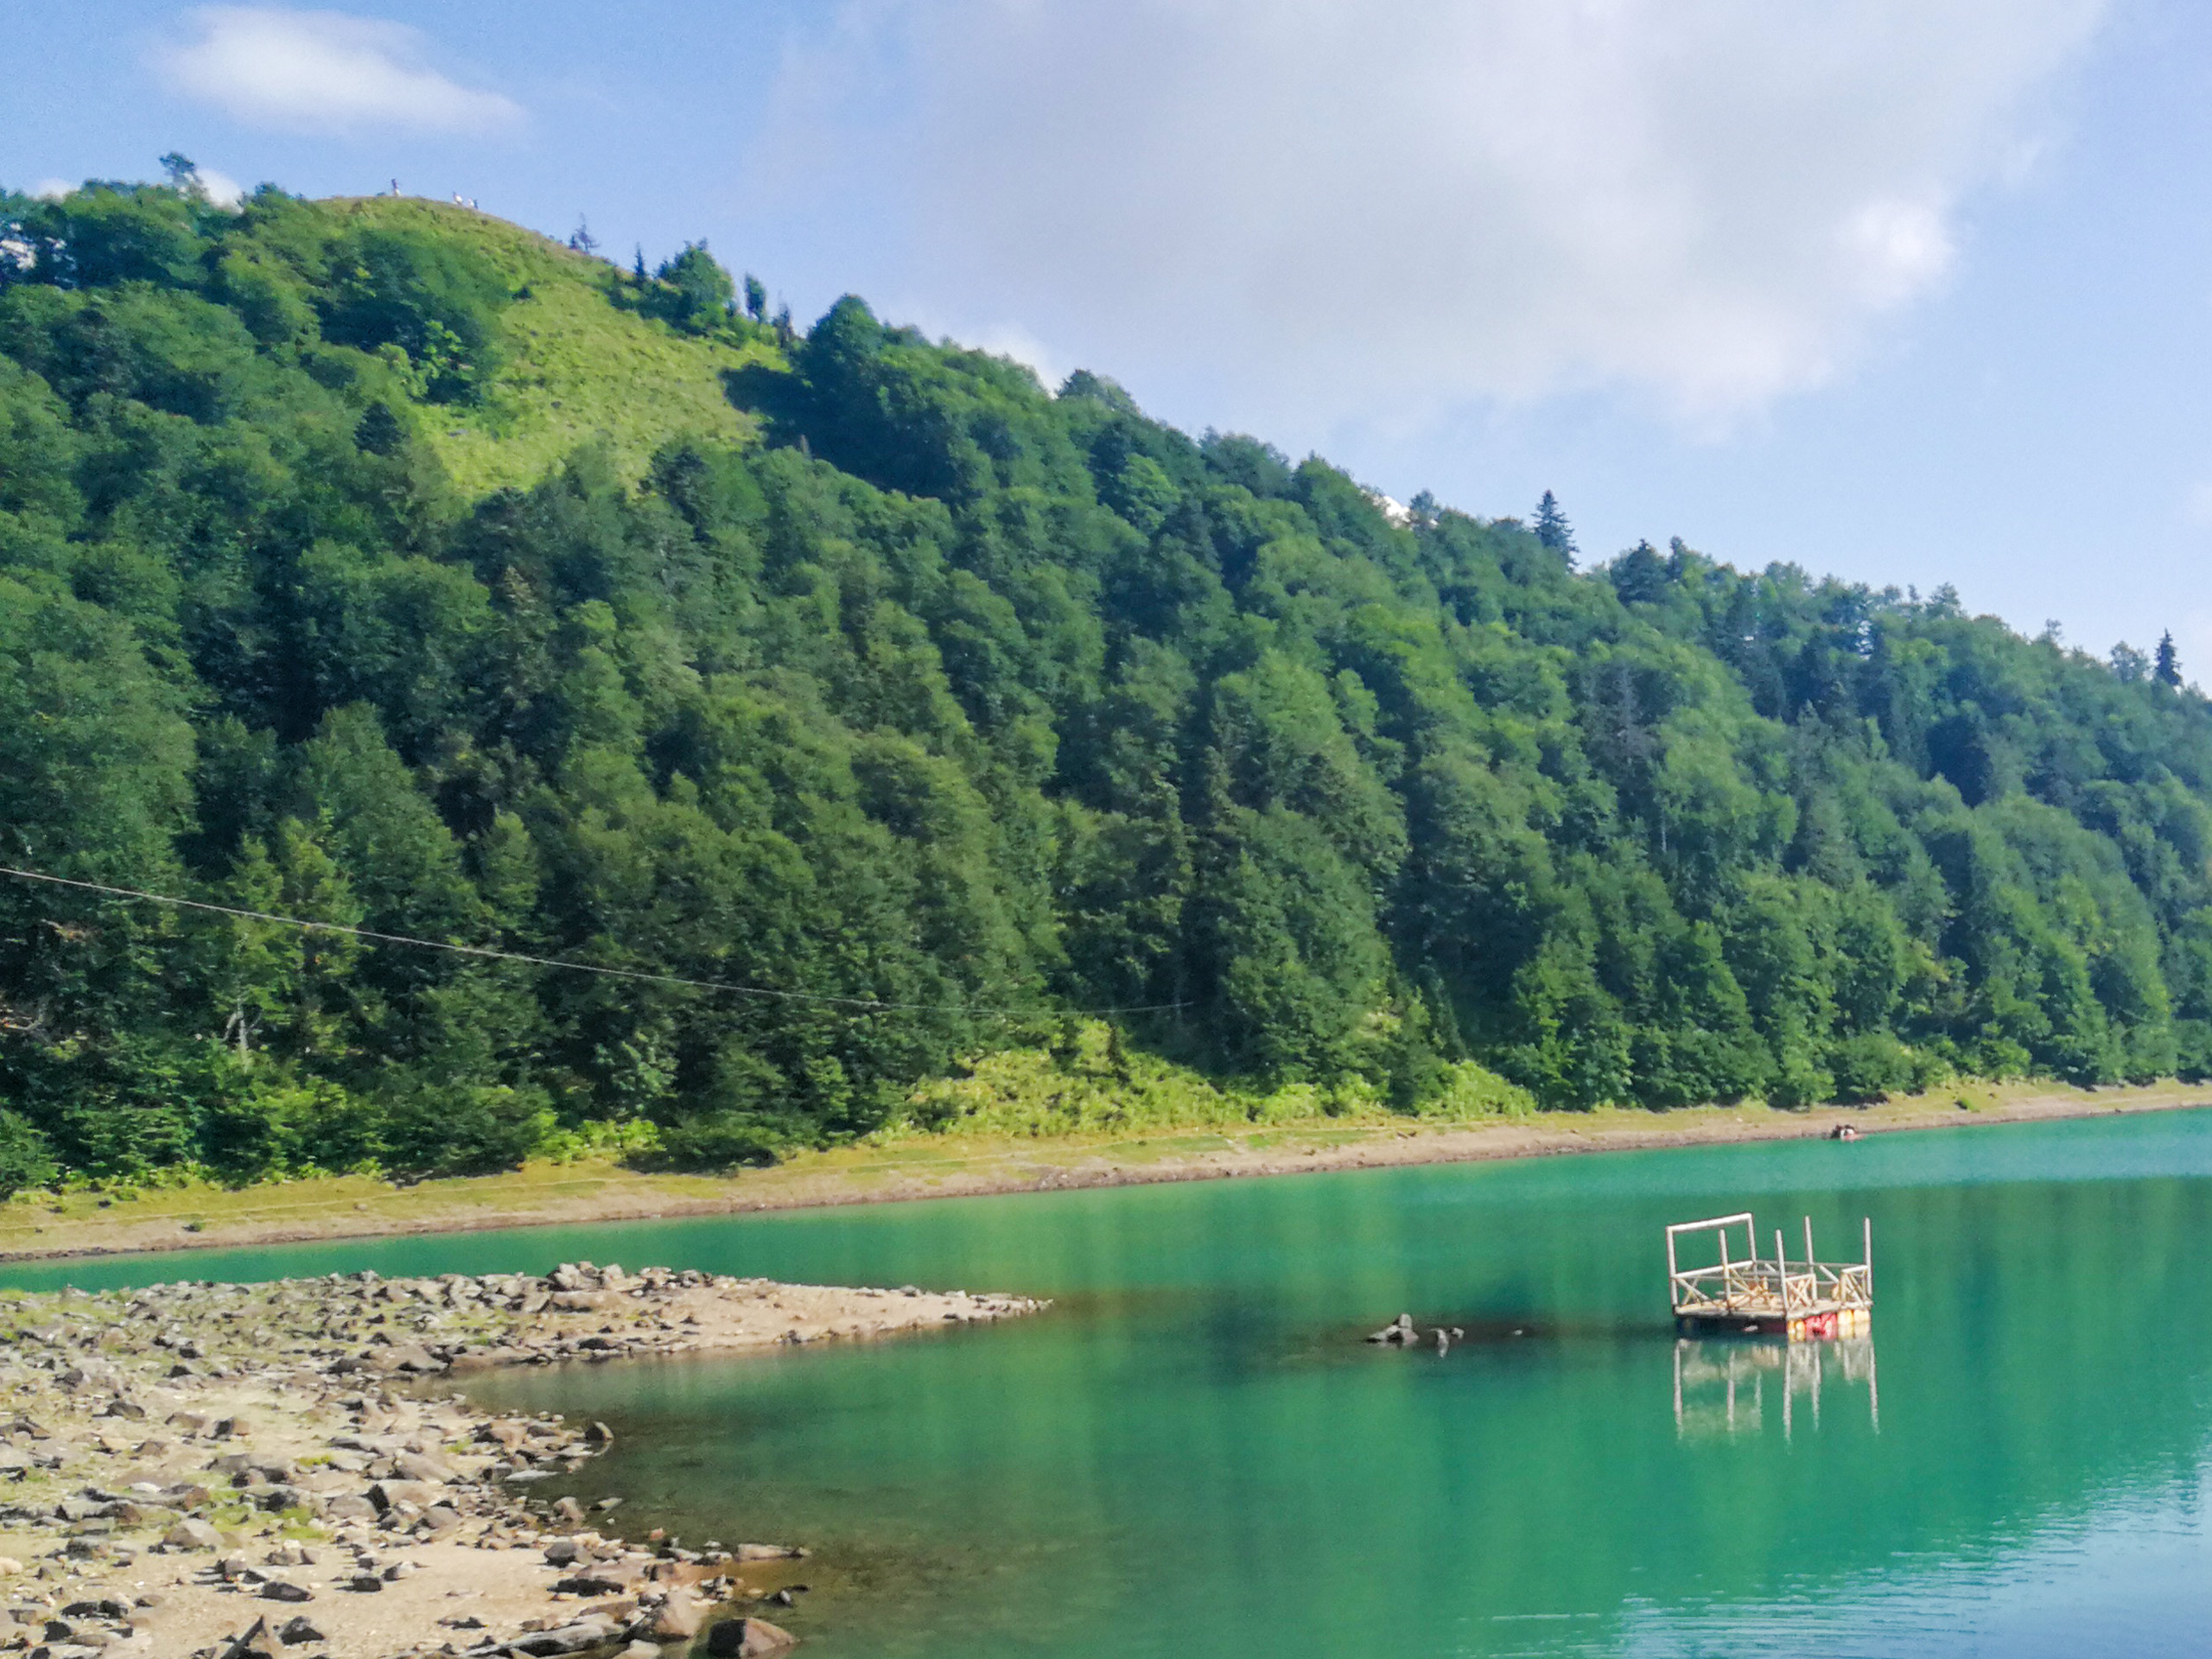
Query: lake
x=1194, y=1453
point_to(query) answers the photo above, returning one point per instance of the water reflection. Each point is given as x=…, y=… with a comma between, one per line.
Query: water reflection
x=1192, y=1454
x=1722, y=1384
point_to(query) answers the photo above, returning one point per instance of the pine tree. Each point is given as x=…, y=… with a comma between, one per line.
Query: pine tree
x=2166, y=671
x=1552, y=530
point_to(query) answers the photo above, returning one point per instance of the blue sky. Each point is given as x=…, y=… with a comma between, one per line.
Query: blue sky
x=1911, y=292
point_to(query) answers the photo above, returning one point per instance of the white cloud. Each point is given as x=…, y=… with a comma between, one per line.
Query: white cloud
x=220, y=187
x=1379, y=211
x=53, y=189
x=324, y=72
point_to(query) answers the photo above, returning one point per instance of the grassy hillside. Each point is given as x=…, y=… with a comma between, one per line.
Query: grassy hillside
x=941, y=749
x=577, y=370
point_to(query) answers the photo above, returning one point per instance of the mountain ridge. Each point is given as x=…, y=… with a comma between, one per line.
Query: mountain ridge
x=375, y=562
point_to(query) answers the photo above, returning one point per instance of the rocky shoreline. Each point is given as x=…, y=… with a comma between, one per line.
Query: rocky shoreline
x=226, y=1471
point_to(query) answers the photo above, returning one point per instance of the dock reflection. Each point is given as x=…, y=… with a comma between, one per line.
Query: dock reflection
x=1727, y=1385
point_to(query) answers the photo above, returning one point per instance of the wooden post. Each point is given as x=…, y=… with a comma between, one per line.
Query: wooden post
x=1867, y=1255
x=1808, y=1242
x=1781, y=1272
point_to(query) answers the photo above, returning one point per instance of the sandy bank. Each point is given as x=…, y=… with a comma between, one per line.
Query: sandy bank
x=927, y=1166
x=225, y=1470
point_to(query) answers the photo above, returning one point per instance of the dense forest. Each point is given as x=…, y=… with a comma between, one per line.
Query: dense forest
x=924, y=707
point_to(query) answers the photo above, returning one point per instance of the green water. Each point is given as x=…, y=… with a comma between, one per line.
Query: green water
x=1192, y=1454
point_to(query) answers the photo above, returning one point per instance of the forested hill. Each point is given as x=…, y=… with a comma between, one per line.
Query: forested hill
x=377, y=562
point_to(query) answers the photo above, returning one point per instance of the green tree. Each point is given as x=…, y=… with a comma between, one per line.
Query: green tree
x=943, y=693
x=2166, y=669
x=1552, y=530
x=702, y=295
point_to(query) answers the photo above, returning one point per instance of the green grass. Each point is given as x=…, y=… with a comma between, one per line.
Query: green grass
x=576, y=369
x=1086, y=1086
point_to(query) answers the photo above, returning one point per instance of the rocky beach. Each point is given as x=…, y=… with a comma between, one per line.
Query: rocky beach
x=225, y=1471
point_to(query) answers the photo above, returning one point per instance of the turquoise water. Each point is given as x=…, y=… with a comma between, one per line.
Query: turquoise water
x=1193, y=1454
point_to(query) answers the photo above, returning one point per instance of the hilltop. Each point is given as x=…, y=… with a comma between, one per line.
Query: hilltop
x=1016, y=761
x=573, y=369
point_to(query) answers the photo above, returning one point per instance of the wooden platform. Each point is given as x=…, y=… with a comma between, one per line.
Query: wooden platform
x=1745, y=1294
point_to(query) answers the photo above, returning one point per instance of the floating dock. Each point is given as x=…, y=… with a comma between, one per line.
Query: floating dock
x=1745, y=1294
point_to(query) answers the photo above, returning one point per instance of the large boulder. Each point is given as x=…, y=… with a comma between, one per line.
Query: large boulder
x=259, y=1642
x=749, y=1638
x=679, y=1617
x=417, y=1465
x=594, y=1630
x=421, y=1494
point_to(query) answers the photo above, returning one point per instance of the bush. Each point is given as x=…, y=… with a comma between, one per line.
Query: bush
x=1868, y=1066
x=468, y=1129
x=723, y=1141
x=26, y=1159
x=1798, y=1083
x=1471, y=1091
x=2193, y=1050
x=700, y=295
x=438, y=301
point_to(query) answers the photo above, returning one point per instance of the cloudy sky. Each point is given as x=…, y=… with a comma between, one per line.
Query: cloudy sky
x=1914, y=291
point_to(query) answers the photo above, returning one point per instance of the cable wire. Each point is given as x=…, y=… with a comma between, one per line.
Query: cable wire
x=864, y=1004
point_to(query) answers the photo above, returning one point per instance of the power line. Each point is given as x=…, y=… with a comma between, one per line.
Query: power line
x=865, y=1004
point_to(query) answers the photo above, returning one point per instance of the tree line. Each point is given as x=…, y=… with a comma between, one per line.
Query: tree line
x=950, y=695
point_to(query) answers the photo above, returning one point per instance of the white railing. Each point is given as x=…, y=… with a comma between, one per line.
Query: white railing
x=1749, y=1286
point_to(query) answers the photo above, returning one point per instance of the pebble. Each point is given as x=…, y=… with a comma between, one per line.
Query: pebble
x=83, y=1390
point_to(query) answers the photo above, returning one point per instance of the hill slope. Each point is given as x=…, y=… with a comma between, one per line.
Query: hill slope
x=377, y=562
x=573, y=369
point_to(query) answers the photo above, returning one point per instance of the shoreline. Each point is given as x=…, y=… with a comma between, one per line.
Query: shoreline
x=333, y=1208
x=247, y=1472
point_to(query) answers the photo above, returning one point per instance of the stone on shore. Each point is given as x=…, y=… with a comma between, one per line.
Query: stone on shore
x=259, y=1642
x=242, y=1431
x=679, y=1617
x=749, y=1638
x=590, y=1631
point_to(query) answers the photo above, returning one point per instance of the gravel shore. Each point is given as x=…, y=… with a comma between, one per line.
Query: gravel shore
x=222, y=1470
